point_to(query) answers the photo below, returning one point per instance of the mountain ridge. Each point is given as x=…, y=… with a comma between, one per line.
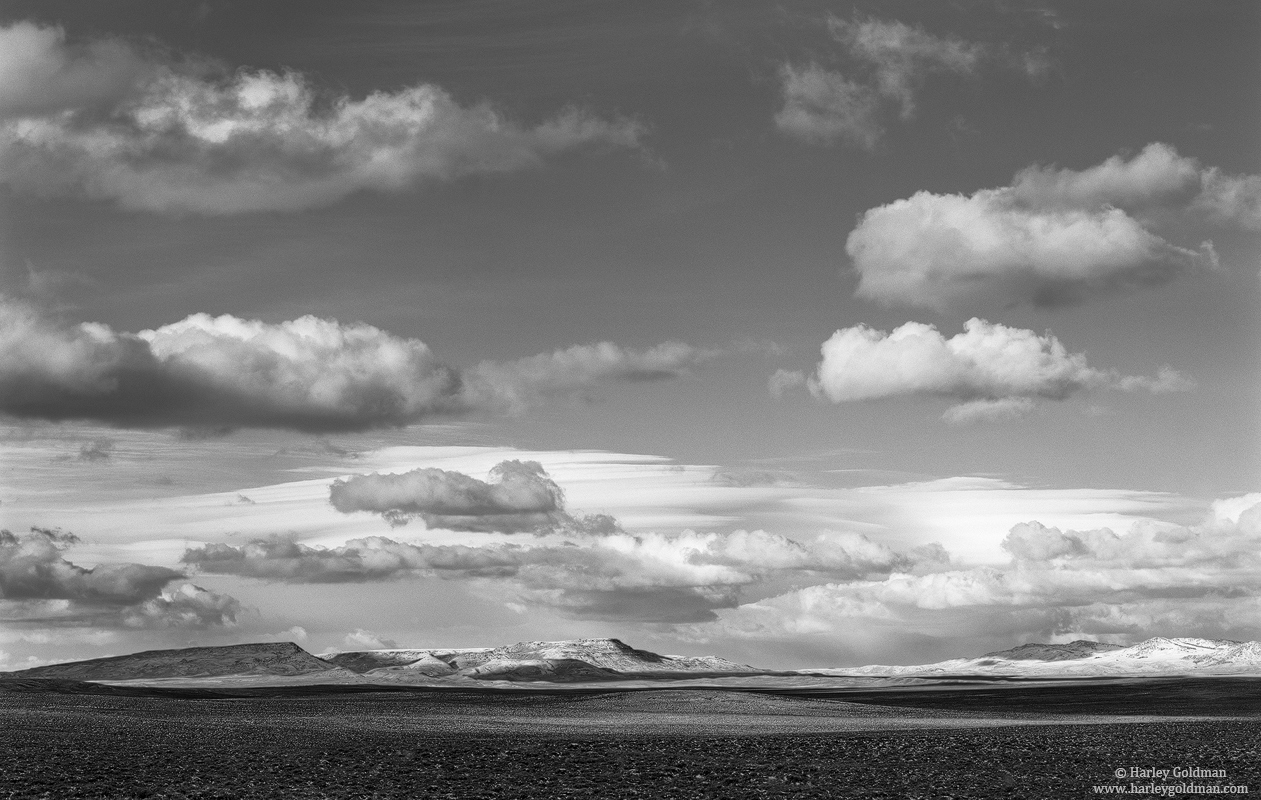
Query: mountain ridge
x=604, y=660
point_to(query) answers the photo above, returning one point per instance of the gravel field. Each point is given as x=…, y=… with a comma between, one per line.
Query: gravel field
x=654, y=745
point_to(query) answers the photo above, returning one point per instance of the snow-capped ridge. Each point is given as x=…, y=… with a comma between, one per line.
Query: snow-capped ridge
x=1155, y=656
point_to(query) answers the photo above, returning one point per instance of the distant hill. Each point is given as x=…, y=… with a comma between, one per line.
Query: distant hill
x=569, y=660
x=282, y=659
x=285, y=664
x=1158, y=656
x=1080, y=648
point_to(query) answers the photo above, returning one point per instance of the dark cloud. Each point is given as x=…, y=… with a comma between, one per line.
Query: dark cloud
x=520, y=497
x=359, y=560
x=37, y=584
x=210, y=375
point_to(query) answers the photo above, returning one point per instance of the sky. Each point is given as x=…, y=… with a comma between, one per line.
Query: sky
x=818, y=334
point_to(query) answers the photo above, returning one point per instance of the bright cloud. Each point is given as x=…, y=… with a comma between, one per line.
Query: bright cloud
x=1199, y=580
x=997, y=370
x=307, y=374
x=106, y=123
x=1052, y=237
x=588, y=568
x=644, y=577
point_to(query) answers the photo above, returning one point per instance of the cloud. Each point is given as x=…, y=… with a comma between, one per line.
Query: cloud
x=901, y=56
x=822, y=105
x=107, y=123
x=783, y=380
x=573, y=370
x=40, y=73
x=360, y=639
x=983, y=410
x=996, y=370
x=1154, y=579
x=37, y=584
x=521, y=498
x=97, y=450
x=942, y=251
x=588, y=575
x=1053, y=237
x=308, y=374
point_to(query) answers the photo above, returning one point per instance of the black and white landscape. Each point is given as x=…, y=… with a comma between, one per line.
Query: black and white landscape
x=895, y=362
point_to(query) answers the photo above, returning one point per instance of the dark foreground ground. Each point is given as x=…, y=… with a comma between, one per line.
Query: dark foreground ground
x=667, y=744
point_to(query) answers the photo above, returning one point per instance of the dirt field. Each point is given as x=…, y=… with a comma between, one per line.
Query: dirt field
x=650, y=745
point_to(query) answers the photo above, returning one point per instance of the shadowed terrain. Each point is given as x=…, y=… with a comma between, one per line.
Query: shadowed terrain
x=618, y=745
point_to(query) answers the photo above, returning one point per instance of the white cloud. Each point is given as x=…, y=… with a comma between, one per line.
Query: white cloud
x=901, y=56
x=584, y=567
x=942, y=251
x=307, y=374
x=1167, y=580
x=40, y=73
x=996, y=369
x=360, y=639
x=1230, y=200
x=1155, y=177
x=1054, y=236
x=573, y=371
x=988, y=410
x=821, y=106
x=184, y=139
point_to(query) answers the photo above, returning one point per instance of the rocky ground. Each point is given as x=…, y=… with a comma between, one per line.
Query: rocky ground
x=473, y=746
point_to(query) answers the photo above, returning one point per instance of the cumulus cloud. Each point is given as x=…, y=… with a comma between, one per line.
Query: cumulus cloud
x=307, y=374
x=105, y=122
x=892, y=61
x=941, y=251
x=38, y=584
x=996, y=370
x=1154, y=579
x=361, y=639
x=1053, y=237
x=589, y=575
x=520, y=497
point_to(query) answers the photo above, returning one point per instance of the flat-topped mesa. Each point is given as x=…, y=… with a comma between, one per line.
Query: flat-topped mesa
x=1080, y=648
x=263, y=658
